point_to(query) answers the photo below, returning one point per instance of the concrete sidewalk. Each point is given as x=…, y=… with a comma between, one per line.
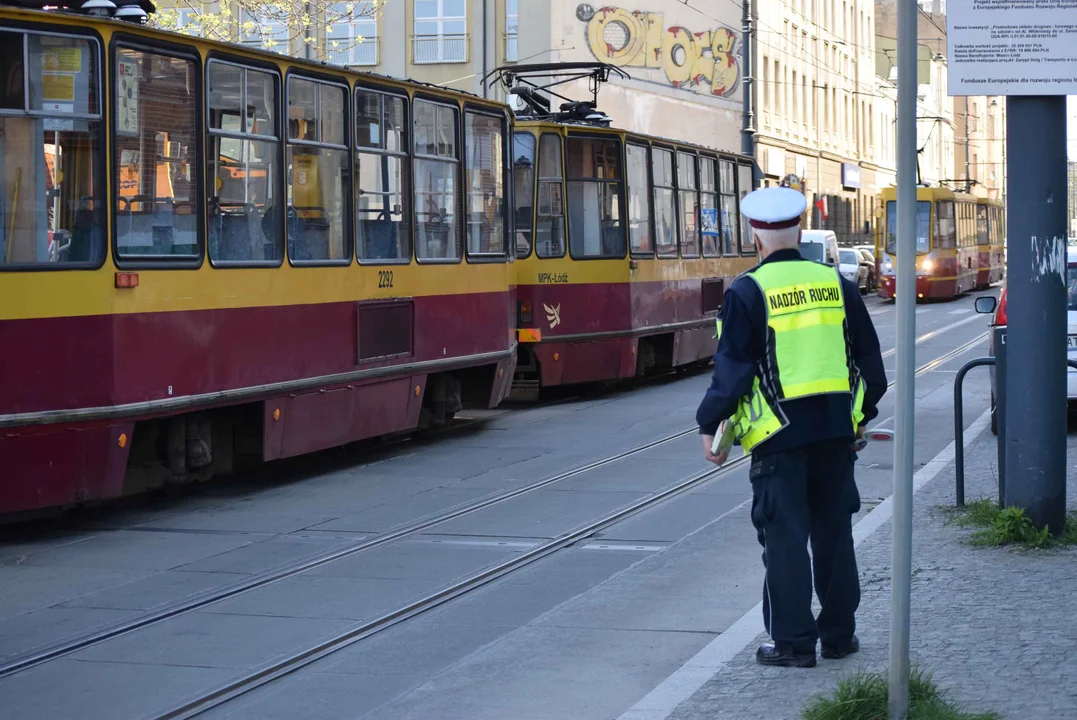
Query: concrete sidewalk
x=997, y=627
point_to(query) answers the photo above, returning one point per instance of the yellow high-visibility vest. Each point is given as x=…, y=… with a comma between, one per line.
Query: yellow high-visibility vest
x=807, y=353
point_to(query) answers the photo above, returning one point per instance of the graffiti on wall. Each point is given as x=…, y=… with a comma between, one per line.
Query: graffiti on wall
x=703, y=62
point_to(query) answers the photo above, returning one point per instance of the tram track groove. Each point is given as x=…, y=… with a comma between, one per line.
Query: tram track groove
x=279, y=573
x=278, y=669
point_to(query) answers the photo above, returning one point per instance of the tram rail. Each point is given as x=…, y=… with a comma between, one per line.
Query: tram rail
x=277, y=669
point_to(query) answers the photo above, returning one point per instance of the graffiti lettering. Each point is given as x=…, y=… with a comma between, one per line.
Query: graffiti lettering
x=691, y=61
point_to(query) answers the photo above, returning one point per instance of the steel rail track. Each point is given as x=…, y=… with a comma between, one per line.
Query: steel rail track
x=277, y=669
x=276, y=574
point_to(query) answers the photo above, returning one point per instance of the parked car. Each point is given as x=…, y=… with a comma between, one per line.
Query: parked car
x=820, y=246
x=867, y=259
x=852, y=267
x=987, y=304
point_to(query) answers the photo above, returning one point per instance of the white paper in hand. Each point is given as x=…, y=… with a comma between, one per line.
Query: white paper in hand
x=723, y=441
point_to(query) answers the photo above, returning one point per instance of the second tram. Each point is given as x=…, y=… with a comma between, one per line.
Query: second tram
x=990, y=241
x=947, y=250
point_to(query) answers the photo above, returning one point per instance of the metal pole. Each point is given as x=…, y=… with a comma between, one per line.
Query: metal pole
x=747, y=132
x=1036, y=310
x=901, y=573
x=818, y=152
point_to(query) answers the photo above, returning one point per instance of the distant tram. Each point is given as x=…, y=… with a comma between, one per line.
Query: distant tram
x=947, y=244
x=625, y=243
x=990, y=241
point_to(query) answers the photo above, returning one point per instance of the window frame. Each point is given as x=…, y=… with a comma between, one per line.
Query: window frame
x=716, y=194
x=738, y=250
x=622, y=182
x=458, y=185
x=208, y=133
x=506, y=178
x=676, y=202
x=182, y=52
x=440, y=36
x=746, y=247
x=513, y=132
x=681, y=233
x=406, y=155
x=103, y=117
x=349, y=189
x=538, y=194
x=649, y=190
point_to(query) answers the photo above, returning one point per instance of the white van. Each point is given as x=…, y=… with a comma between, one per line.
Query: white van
x=820, y=246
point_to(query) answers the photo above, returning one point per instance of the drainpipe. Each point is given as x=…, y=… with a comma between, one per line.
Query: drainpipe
x=747, y=138
x=485, y=40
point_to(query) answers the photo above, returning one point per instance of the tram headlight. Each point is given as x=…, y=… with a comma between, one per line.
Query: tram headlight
x=926, y=267
x=888, y=265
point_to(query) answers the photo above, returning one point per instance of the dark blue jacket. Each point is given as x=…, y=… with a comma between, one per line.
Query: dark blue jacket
x=742, y=346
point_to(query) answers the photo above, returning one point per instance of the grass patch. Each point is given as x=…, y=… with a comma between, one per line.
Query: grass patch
x=997, y=526
x=864, y=697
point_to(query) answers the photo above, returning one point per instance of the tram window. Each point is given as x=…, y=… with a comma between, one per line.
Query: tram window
x=155, y=146
x=318, y=177
x=744, y=186
x=436, y=179
x=52, y=210
x=708, y=202
x=689, y=204
x=382, y=214
x=524, y=148
x=665, y=203
x=639, y=201
x=923, y=226
x=595, y=226
x=484, y=165
x=945, y=226
x=243, y=196
x=728, y=199
x=550, y=218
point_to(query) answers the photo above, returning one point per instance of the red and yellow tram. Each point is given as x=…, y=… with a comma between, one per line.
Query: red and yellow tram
x=625, y=244
x=947, y=254
x=990, y=241
x=211, y=255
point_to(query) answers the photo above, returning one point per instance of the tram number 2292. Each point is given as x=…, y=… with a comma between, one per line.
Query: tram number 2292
x=385, y=278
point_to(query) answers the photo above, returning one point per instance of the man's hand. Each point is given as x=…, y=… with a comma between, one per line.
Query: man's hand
x=708, y=442
x=860, y=433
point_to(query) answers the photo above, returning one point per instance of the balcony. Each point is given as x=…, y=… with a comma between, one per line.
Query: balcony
x=352, y=53
x=512, y=47
x=435, y=49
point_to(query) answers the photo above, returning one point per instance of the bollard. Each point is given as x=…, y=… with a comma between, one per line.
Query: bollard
x=959, y=423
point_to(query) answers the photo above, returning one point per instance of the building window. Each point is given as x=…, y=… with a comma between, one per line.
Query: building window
x=440, y=31
x=264, y=32
x=243, y=194
x=352, y=38
x=512, y=30
x=382, y=215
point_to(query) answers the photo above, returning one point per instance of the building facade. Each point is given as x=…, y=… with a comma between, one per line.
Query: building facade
x=820, y=120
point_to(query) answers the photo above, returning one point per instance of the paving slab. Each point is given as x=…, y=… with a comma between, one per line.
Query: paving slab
x=155, y=591
x=127, y=549
x=415, y=559
x=264, y=556
x=326, y=597
x=69, y=689
x=319, y=695
x=21, y=635
x=28, y=587
x=994, y=625
x=208, y=640
x=413, y=508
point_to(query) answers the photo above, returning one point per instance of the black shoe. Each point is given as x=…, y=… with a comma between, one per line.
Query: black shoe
x=784, y=656
x=837, y=652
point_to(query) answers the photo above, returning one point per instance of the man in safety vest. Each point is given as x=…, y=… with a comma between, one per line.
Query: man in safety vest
x=797, y=374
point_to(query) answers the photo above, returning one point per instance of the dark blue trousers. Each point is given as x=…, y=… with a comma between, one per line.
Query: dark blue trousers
x=801, y=495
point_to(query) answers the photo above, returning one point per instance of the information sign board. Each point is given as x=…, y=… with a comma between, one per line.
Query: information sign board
x=1012, y=47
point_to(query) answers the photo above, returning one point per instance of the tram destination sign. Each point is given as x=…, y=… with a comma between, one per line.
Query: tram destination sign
x=1012, y=47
